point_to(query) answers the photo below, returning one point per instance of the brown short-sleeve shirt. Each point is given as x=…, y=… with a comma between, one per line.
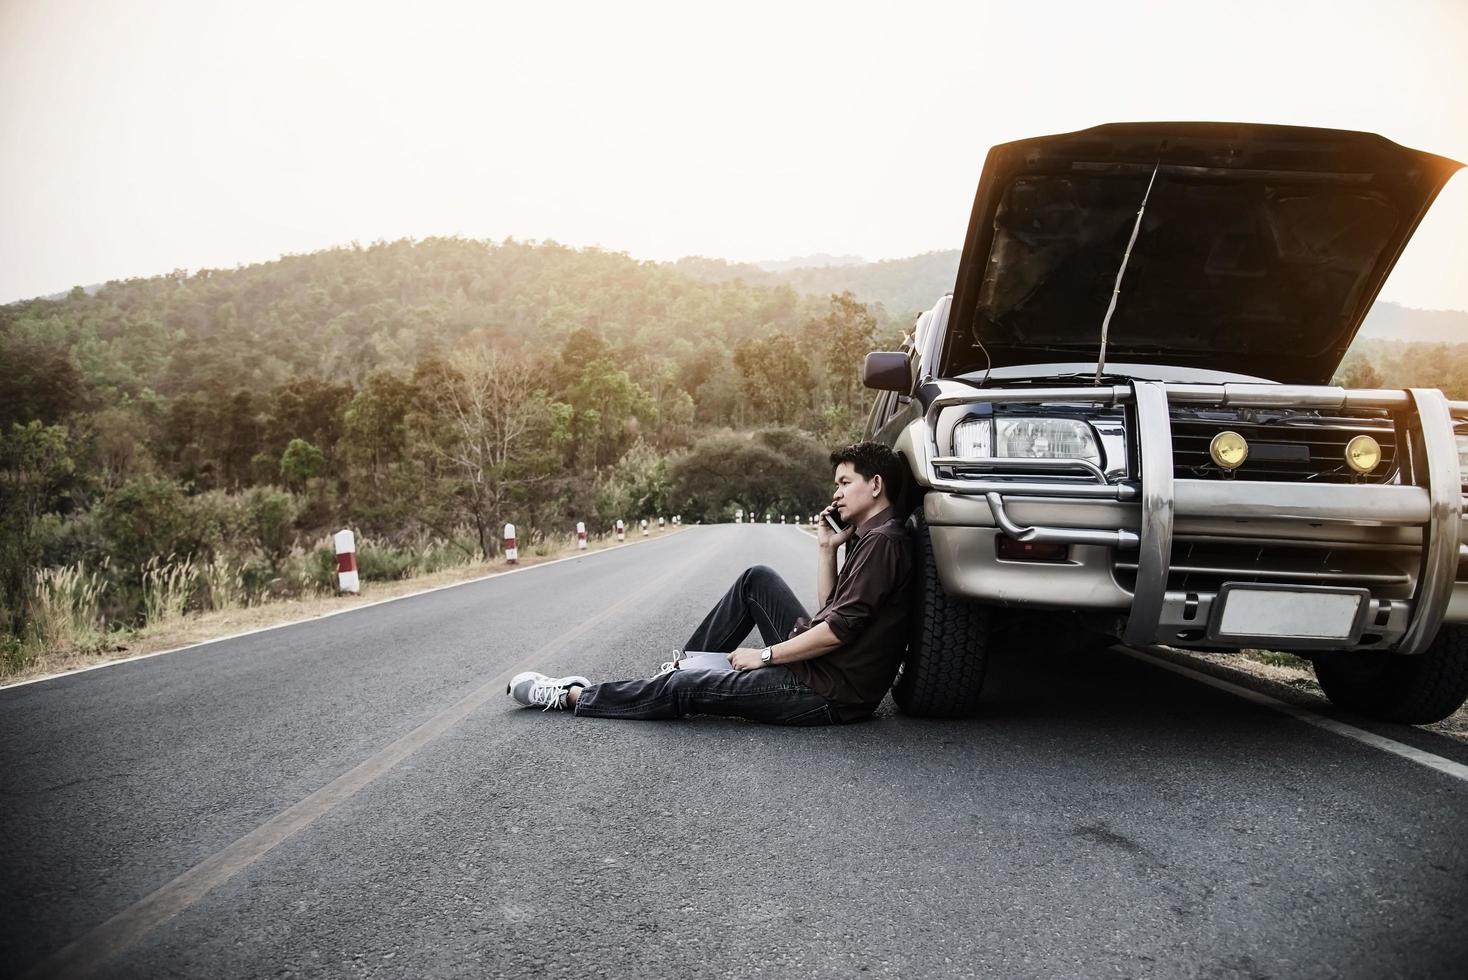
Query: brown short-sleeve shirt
x=867, y=611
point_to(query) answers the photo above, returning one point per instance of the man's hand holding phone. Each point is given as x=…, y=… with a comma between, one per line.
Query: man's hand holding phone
x=831, y=530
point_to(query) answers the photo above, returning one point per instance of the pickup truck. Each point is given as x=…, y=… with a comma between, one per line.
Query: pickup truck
x=1120, y=425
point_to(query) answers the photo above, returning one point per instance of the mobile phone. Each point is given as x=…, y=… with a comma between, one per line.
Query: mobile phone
x=835, y=523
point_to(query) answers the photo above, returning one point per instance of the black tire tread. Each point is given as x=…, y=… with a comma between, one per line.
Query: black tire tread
x=943, y=675
x=1411, y=690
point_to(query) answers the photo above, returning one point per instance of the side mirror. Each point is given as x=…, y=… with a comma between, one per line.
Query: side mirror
x=888, y=370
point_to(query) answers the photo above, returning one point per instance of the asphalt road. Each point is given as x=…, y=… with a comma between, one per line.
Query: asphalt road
x=357, y=797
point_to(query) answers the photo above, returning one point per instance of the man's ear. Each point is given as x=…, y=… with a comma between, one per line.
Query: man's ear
x=877, y=485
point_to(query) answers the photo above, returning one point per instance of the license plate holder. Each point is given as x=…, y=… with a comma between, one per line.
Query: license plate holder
x=1288, y=616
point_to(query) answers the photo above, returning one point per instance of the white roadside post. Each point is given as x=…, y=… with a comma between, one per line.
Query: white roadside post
x=580, y=535
x=346, y=562
x=621, y=530
x=512, y=553
x=644, y=527
x=660, y=523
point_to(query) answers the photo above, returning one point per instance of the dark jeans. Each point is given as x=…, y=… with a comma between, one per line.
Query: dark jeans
x=758, y=598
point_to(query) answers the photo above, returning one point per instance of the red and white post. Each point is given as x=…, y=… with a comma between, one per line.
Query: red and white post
x=580, y=535
x=512, y=551
x=346, y=562
x=621, y=530
x=644, y=527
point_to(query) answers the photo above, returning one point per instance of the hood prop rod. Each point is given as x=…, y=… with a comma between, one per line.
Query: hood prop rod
x=1116, y=290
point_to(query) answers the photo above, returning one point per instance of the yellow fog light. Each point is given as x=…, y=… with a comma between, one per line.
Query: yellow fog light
x=1229, y=450
x=1363, y=453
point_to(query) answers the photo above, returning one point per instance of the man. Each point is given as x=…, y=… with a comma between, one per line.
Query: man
x=832, y=668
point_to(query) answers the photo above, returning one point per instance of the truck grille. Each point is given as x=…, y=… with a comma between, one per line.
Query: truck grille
x=1310, y=448
x=1203, y=564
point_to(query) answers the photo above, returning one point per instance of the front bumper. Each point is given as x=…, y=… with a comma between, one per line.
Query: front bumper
x=1157, y=550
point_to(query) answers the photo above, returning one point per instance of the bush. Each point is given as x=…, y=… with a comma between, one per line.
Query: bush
x=146, y=517
x=437, y=554
x=273, y=516
x=15, y=656
x=384, y=563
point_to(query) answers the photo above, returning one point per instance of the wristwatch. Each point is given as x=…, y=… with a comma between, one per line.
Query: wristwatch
x=765, y=655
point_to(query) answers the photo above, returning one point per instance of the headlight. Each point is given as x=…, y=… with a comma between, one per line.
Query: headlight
x=1026, y=438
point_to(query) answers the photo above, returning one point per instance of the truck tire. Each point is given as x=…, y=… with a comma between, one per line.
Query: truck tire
x=1414, y=690
x=948, y=641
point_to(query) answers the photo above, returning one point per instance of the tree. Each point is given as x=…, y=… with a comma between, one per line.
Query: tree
x=307, y=408
x=36, y=472
x=608, y=410
x=844, y=336
x=40, y=382
x=781, y=469
x=375, y=445
x=777, y=378
x=1357, y=372
x=492, y=436
x=148, y=516
x=301, y=462
x=639, y=486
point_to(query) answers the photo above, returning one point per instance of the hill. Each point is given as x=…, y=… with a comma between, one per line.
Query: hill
x=902, y=287
x=1406, y=324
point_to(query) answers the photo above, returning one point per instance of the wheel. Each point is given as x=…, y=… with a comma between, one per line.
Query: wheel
x=1414, y=690
x=948, y=642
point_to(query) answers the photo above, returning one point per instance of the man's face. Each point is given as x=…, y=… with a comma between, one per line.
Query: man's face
x=854, y=492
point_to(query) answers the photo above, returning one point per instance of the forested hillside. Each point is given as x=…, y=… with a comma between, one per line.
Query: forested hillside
x=902, y=287
x=422, y=392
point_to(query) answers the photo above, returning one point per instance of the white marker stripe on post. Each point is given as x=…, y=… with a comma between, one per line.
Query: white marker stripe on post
x=512, y=553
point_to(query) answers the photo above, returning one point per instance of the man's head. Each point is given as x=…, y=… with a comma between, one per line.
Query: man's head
x=868, y=475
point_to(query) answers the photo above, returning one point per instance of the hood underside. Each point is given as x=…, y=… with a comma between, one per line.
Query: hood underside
x=1260, y=251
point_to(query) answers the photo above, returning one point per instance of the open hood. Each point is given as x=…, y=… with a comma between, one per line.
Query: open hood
x=1260, y=252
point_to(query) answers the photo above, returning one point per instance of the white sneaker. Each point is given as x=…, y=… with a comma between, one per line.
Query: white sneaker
x=532, y=688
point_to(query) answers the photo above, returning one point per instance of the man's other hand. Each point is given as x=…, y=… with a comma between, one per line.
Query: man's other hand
x=745, y=659
x=827, y=538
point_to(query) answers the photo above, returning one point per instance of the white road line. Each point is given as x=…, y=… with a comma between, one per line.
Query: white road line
x=1446, y=766
x=326, y=615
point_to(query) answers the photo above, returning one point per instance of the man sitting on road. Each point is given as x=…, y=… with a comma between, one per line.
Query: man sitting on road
x=831, y=668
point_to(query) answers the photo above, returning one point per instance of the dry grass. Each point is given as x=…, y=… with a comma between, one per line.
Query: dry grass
x=185, y=630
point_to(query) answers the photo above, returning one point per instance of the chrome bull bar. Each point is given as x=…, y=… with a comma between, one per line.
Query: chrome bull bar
x=1435, y=502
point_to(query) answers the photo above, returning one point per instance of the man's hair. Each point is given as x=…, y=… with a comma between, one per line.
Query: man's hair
x=872, y=459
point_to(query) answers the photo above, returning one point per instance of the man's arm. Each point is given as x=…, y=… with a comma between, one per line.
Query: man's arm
x=825, y=574
x=814, y=642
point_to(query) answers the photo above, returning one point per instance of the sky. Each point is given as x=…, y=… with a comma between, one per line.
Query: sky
x=144, y=136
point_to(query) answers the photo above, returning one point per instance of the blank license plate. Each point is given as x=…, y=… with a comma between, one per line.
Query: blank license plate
x=1306, y=615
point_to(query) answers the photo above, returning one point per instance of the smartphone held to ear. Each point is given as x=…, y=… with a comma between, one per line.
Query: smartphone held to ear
x=835, y=523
